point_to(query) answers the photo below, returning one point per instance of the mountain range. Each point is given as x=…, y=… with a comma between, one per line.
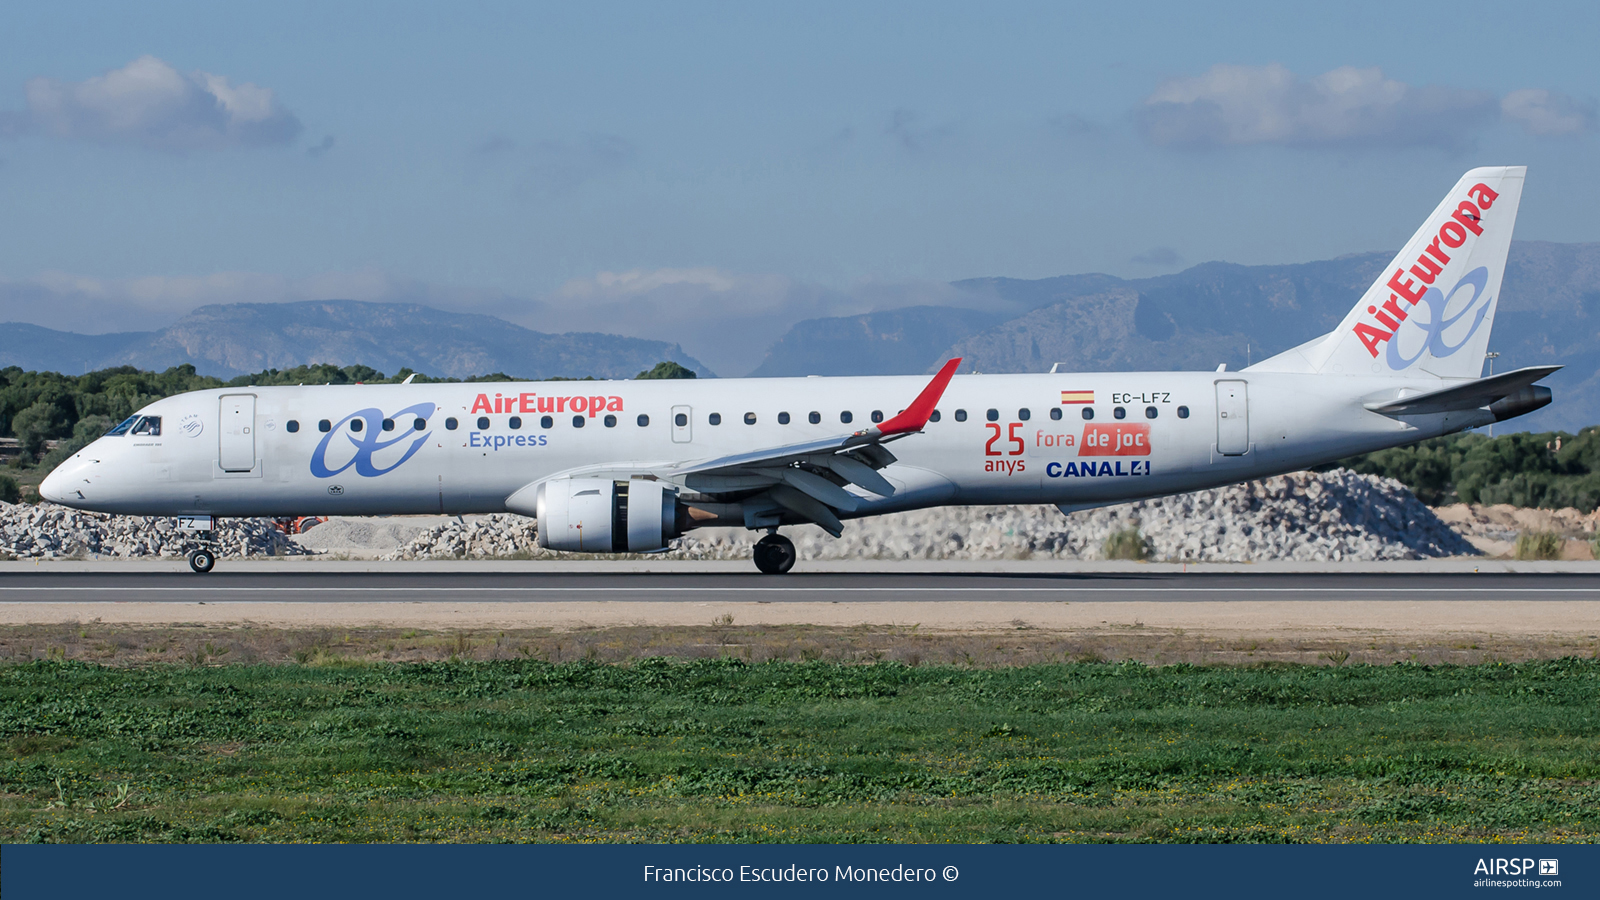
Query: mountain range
x=238, y=339
x=1549, y=313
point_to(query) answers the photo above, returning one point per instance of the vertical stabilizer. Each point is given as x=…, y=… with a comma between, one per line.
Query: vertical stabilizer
x=1431, y=309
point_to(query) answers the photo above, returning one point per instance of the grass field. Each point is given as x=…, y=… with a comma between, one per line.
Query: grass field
x=722, y=750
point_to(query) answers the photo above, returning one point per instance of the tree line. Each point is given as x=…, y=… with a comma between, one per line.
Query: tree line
x=1550, y=469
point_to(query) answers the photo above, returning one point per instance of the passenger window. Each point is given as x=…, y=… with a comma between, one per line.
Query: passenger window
x=358, y=424
x=961, y=415
x=992, y=415
x=450, y=424
x=547, y=422
x=783, y=418
x=1088, y=413
x=1119, y=412
x=1183, y=412
x=814, y=418
x=324, y=425
x=515, y=422
x=681, y=419
x=483, y=423
x=611, y=421
x=933, y=416
x=1055, y=413
x=291, y=426
x=1024, y=414
x=749, y=418
x=577, y=421
x=877, y=415
x=388, y=424
x=417, y=424
x=1150, y=412
x=643, y=420
x=846, y=417
x=714, y=418
x=124, y=425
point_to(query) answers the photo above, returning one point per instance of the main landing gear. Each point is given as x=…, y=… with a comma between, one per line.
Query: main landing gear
x=775, y=554
x=201, y=560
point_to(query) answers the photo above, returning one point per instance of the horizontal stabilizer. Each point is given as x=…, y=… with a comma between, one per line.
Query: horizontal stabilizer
x=1471, y=395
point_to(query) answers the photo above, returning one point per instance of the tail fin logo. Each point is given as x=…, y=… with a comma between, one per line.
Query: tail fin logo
x=1416, y=286
x=1441, y=320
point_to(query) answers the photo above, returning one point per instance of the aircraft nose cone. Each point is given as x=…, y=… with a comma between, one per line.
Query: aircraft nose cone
x=53, y=486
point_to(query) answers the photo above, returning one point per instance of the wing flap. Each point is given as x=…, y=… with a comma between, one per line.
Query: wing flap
x=803, y=478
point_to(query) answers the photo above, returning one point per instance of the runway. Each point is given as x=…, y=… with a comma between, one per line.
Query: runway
x=1449, y=606
x=882, y=587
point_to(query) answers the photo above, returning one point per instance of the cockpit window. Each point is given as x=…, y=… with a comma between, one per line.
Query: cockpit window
x=150, y=425
x=122, y=427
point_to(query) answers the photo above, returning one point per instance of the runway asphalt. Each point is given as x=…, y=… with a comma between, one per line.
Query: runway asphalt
x=567, y=587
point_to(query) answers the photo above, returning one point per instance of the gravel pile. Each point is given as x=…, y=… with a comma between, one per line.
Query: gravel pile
x=355, y=535
x=47, y=531
x=481, y=537
x=1305, y=516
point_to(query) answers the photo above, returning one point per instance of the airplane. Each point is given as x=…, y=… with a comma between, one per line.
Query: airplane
x=627, y=466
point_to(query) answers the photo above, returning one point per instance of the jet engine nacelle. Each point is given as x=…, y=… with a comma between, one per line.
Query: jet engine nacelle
x=598, y=515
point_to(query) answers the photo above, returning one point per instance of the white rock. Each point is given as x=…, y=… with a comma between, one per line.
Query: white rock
x=1308, y=516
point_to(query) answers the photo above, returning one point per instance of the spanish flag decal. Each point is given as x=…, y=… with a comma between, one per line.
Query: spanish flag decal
x=1077, y=396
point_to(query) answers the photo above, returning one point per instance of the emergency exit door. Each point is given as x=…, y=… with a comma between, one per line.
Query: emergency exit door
x=1233, y=418
x=236, y=433
x=682, y=424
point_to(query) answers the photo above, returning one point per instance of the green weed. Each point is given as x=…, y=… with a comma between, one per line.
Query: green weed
x=1126, y=544
x=724, y=750
x=1538, y=545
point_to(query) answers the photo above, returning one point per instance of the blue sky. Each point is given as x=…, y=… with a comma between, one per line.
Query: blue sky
x=711, y=173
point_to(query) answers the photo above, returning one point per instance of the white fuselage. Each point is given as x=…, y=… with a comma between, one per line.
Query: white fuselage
x=231, y=452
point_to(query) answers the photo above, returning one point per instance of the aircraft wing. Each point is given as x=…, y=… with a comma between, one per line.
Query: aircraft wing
x=1470, y=395
x=807, y=479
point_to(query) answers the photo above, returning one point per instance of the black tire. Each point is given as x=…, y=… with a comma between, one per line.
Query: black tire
x=202, y=561
x=775, y=554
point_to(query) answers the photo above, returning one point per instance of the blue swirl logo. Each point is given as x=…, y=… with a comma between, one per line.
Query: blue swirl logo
x=1439, y=320
x=370, y=440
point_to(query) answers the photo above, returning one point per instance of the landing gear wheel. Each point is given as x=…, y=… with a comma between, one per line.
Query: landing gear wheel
x=202, y=560
x=775, y=554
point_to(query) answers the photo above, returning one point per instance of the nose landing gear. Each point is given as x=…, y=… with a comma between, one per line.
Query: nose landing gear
x=202, y=551
x=775, y=554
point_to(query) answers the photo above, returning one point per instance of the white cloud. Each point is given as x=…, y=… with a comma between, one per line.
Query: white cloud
x=1347, y=107
x=150, y=104
x=1547, y=113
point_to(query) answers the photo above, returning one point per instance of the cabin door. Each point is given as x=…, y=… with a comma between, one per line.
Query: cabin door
x=682, y=424
x=236, y=433
x=1233, y=418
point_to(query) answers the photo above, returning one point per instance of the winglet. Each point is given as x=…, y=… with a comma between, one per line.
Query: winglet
x=916, y=415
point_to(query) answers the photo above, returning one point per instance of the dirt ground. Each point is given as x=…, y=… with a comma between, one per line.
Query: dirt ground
x=986, y=633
